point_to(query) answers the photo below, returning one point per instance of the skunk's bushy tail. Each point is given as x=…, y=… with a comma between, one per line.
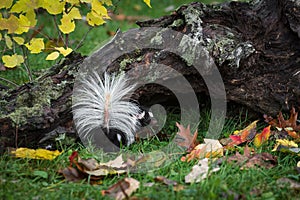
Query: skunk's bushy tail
x=104, y=103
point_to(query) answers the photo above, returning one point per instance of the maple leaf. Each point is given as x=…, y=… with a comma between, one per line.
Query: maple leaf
x=280, y=122
x=122, y=189
x=184, y=138
x=262, y=137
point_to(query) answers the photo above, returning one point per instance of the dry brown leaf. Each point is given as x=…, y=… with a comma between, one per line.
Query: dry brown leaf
x=184, y=138
x=122, y=189
x=72, y=174
x=288, y=182
x=200, y=172
x=249, y=160
x=280, y=122
x=165, y=181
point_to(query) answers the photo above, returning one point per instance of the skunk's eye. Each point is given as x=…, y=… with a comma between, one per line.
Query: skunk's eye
x=150, y=114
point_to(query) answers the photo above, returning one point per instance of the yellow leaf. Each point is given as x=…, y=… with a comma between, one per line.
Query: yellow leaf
x=11, y=24
x=24, y=25
x=54, y=7
x=0, y=36
x=64, y=51
x=19, y=40
x=31, y=17
x=23, y=6
x=148, y=3
x=94, y=19
x=8, y=41
x=36, y=45
x=5, y=3
x=52, y=56
x=35, y=154
x=74, y=13
x=67, y=25
x=286, y=143
x=98, y=8
x=12, y=61
x=73, y=2
x=86, y=1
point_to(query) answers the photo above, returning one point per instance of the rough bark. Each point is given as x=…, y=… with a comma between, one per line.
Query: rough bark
x=255, y=46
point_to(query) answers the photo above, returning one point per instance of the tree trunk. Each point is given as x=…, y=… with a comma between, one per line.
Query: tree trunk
x=255, y=47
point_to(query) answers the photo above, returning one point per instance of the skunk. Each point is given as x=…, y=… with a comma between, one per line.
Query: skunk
x=105, y=103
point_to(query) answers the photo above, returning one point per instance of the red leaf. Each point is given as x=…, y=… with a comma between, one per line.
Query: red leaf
x=262, y=137
x=72, y=157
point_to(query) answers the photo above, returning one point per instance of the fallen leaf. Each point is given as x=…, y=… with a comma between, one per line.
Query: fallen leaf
x=122, y=189
x=286, y=146
x=200, y=172
x=210, y=148
x=294, y=134
x=184, y=138
x=165, y=181
x=71, y=174
x=281, y=123
x=249, y=160
x=262, y=137
x=35, y=153
x=239, y=137
x=294, y=185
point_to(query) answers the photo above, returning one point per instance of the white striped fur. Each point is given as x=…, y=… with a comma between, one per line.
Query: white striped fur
x=103, y=103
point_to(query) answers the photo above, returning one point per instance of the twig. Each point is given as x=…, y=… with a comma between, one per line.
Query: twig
x=58, y=31
x=26, y=65
x=82, y=39
x=8, y=81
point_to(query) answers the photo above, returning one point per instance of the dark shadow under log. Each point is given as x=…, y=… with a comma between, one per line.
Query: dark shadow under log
x=255, y=46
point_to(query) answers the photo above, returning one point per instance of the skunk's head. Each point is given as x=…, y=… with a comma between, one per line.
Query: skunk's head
x=145, y=117
x=120, y=138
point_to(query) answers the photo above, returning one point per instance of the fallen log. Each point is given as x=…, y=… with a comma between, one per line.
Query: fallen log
x=255, y=47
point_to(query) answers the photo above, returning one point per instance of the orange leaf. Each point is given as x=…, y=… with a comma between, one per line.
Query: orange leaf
x=262, y=137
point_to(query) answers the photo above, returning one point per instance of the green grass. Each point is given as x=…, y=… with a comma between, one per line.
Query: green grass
x=38, y=179
x=21, y=178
